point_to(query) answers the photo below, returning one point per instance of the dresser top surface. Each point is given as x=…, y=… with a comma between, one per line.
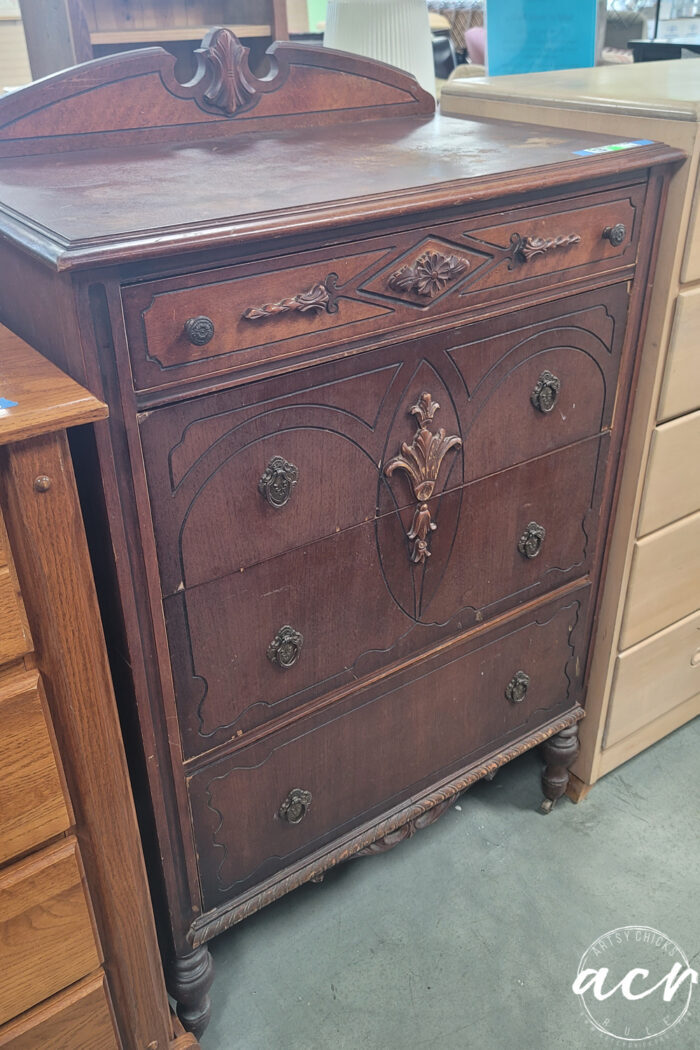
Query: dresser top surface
x=117, y=200
x=115, y=160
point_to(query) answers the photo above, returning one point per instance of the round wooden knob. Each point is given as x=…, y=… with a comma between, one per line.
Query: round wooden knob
x=199, y=330
x=615, y=234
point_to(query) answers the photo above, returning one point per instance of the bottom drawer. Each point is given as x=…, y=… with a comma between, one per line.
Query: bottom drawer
x=654, y=677
x=79, y=1019
x=47, y=939
x=388, y=742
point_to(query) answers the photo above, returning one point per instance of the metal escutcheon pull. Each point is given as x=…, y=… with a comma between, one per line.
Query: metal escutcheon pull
x=546, y=393
x=531, y=540
x=516, y=689
x=277, y=482
x=295, y=806
x=199, y=330
x=615, y=234
x=284, y=649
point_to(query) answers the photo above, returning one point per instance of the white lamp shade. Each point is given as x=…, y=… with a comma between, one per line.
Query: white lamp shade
x=393, y=31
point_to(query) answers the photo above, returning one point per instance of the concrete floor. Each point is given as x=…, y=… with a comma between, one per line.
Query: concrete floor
x=470, y=934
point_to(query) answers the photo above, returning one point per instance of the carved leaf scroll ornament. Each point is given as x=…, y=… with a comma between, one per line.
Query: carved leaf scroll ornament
x=323, y=296
x=421, y=461
x=429, y=275
x=222, y=67
x=523, y=249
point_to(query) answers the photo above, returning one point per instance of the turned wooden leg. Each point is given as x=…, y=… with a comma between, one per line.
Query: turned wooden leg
x=190, y=979
x=559, y=753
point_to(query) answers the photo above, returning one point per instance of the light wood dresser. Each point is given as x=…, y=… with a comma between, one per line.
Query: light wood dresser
x=78, y=951
x=368, y=373
x=645, y=673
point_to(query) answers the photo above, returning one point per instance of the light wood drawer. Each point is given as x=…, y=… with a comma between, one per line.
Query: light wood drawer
x=15, y=640
x=47, y=939
x=79, y=1019
x=681, y=387
x=33, y=806
x=672, y=488
x=654, y=677
x=663, y=585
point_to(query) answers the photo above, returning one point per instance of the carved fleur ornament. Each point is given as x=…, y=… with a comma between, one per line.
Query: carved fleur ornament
x=421, y=461
x=429, y=275
x=223, y=64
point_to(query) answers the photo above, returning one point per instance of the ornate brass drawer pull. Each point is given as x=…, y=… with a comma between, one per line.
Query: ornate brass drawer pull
x=199, y=330
x=615, y=234
x=277, y=482
x=284, y=649
x=295, y=806
x=523, y=249
x=429, y=275
x=530, y=543
x=516, y=689
x=546, y=393
x=322, y=296
x=421, y=460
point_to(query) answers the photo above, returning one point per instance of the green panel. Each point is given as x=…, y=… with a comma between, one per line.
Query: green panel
x=317, y=13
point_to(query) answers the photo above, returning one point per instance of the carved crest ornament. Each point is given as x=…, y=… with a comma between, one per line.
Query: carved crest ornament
x=421, y=461
x=223, y=73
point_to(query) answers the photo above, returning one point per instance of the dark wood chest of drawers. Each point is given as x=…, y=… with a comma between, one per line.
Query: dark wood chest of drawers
x=369, y=374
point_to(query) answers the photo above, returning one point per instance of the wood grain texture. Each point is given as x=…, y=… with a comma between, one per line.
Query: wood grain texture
x=681, y=388
x=15, y=640
x=80, y=1018
x=47, y=937
x=33, y=806
x=653, y=677
x=55, y=575
x=663, y=585
x=46, y=399
x=672, y=487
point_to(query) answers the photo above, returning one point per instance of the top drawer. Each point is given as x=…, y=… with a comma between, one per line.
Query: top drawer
x=228, y=319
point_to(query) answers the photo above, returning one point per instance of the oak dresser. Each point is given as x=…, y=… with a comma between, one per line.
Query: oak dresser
x=78, y=948
x=369, y=374
x=644, y=678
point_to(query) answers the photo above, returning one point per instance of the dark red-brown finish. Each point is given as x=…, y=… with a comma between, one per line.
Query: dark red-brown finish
x=262, y=279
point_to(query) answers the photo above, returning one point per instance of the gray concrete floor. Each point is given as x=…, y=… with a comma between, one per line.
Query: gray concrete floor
x=470, y=934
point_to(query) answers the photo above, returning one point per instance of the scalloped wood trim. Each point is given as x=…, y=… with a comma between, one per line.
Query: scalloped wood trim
x=215, y=922
x=134, y=97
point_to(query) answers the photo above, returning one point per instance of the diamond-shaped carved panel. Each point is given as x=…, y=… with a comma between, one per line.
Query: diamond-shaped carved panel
x=426, y=273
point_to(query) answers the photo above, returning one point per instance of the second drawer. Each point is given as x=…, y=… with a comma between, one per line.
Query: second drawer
x=253, y=645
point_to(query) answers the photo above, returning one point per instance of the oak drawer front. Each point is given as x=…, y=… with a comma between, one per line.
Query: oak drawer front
x=33, y=807
x=223, y=320
x=440, y=718
x=47, y=939
x=241, y=476
x=654, y=677
x=254, y=645
x=15, y=640
x=680, y=392
x=672, y=486
x=78, y=1019
x=663, y=584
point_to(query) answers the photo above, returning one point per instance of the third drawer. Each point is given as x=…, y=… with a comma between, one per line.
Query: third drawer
x=461, y=704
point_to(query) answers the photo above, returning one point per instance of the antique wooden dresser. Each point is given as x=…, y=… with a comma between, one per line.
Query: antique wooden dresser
x=369, y=374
